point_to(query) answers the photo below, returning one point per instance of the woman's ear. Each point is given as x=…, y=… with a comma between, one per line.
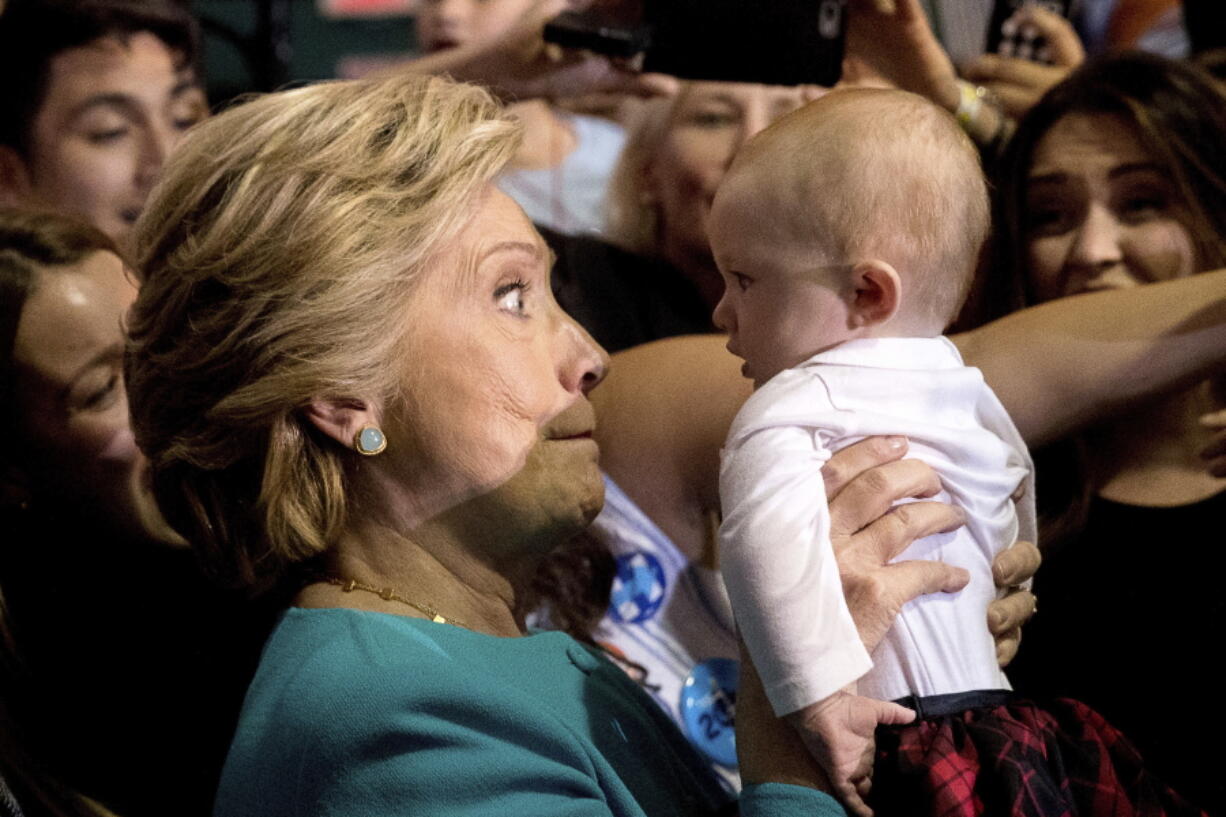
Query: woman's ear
x=877, y=293
x=341, y=419
x=14, y=177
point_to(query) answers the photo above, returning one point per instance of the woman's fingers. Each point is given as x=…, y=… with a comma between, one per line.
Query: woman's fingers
x=1064, y=46
x=1016, y=565
x=1011, y=567
x=875, y=597
x=1005, y=619
x=854, y=460
x=1017, y=83
x=894, y=529
x=1007, y=645
x=1011, y=612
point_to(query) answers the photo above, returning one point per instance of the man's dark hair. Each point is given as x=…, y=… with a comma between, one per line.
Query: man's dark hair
x=33, y=32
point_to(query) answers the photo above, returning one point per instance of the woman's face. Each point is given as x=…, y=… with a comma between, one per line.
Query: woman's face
x=1101, y=213
x=452, y=23
x=495, y=381
x=75, y=443
x=708, y=124
x=112, y=112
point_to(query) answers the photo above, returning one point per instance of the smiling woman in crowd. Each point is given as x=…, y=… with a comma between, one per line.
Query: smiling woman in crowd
x=130, y=708
x=1116, y=180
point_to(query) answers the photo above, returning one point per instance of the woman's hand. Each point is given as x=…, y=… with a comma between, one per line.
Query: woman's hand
x=895, y=40
x=1006, y=616
x=1019, y=83
x=863, y=482
x=521, y=65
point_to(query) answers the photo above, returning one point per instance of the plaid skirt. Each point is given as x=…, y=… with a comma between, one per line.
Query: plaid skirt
x=1012, y=758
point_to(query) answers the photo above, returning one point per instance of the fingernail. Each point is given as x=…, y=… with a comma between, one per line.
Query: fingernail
x=896, y=443
x=997, y=619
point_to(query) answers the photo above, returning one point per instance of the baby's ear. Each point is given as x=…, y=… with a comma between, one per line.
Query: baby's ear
x=877, y=293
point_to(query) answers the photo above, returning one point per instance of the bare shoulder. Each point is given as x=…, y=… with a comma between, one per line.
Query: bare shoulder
x=683, y=388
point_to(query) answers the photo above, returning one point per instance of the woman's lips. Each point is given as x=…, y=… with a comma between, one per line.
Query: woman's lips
x=578, y=435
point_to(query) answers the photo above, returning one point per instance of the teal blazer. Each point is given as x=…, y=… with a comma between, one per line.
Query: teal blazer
x=359, y=714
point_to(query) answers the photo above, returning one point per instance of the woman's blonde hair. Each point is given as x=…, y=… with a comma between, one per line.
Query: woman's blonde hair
x=277, y=253
x=633, y=215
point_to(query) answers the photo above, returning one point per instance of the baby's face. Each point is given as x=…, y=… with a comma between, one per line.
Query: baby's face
x=782, y=304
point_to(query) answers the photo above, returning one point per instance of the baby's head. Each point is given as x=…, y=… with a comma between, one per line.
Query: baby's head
x=858, y=215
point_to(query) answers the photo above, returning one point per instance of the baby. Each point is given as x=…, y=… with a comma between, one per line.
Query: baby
x=847, y=235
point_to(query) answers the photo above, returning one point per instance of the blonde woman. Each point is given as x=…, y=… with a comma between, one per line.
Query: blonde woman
x=349, y=374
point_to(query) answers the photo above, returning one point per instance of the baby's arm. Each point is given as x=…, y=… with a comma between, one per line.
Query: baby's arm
x=782, y=577
x=838, y=732
x=780, y=571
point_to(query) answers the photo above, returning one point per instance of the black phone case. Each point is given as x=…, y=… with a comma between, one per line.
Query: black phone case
x=781, y=42
x=1019, y=43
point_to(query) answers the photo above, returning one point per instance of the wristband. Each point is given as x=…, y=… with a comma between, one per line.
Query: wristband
x=970, y=103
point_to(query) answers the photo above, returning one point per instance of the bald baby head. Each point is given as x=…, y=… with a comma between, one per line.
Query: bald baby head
x=872, y=174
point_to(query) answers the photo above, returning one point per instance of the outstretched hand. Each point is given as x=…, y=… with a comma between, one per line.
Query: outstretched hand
x=521, y=65
x=1019, y=83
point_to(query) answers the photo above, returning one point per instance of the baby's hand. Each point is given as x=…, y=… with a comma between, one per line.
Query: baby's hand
x=838, y=731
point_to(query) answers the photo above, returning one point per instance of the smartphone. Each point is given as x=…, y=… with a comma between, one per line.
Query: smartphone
x=1008, y=38
x=779, y=42
x=614, y=37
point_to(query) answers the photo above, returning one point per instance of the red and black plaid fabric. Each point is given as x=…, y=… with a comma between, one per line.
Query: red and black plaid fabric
x=1063, y=760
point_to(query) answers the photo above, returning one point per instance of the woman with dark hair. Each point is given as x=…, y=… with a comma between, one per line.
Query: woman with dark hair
x=130, y=708
x=1117, y=179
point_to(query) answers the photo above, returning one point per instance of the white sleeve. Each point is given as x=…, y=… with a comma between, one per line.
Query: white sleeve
x=779, y=567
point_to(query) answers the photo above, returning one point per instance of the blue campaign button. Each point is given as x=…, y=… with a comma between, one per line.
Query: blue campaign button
x=708, y=709
x=638, y=588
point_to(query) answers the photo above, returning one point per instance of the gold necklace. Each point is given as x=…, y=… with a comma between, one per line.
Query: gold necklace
x=390, y=594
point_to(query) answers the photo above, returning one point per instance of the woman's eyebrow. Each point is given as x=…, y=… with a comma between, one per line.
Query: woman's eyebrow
x=184, y=85
x=1054, y=177
x=1134, y=167
x=535, y=250
x=112, y=100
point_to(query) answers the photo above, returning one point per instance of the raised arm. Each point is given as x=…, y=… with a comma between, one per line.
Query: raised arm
x=662, y=414
x=521, y=65
x=1065, y=364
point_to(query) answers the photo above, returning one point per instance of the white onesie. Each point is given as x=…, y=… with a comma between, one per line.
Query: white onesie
x=775, y=549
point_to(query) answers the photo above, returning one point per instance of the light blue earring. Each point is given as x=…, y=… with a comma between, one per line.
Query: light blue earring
x=369, y=440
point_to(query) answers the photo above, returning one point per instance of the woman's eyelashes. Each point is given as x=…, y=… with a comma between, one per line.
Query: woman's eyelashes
x=1049, y=219
x=96, y=391
x=1143, y=206
x=713, y=118
x=512, y=297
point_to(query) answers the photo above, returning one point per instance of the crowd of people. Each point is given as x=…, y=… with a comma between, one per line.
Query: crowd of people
x=417, y=444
